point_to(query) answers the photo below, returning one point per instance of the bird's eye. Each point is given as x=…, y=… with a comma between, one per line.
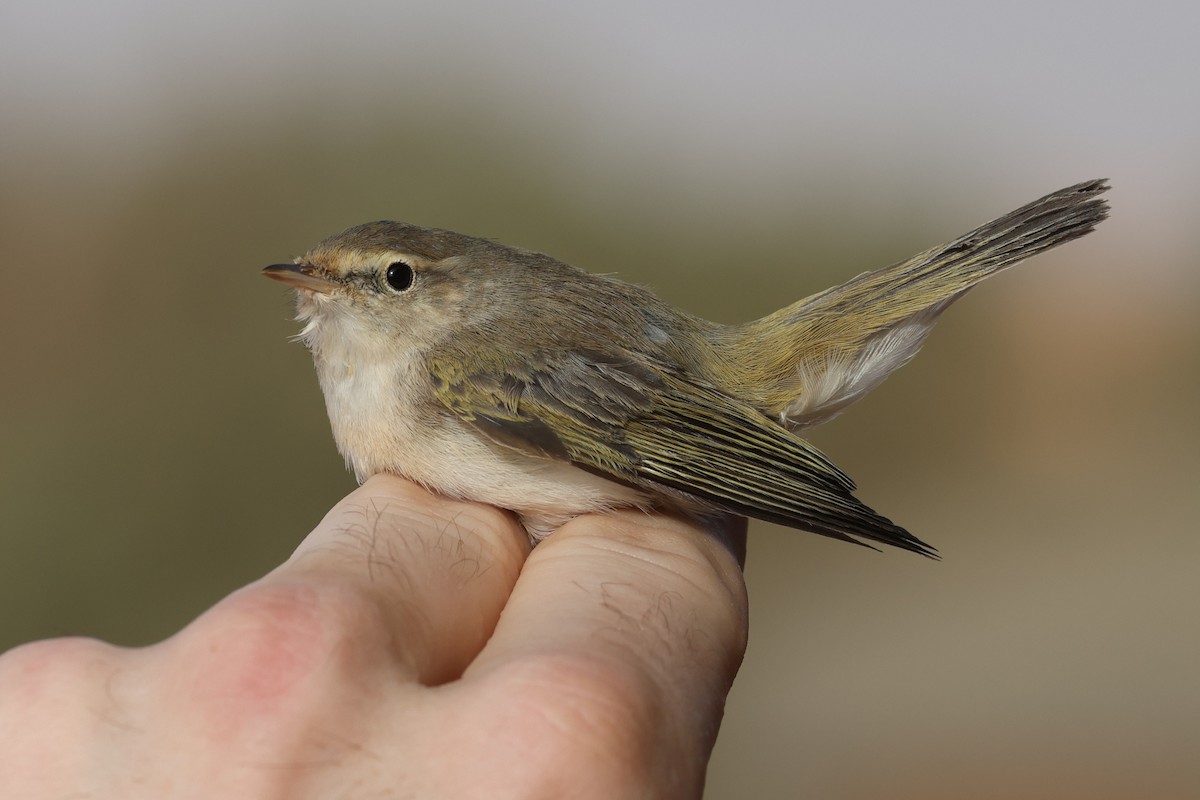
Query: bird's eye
x=399, y=276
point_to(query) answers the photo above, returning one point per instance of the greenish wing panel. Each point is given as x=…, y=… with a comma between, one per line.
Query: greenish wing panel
x=645, y=425
x=570, y=408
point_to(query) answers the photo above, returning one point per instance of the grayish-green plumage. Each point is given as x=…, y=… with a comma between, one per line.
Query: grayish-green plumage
x=505, y=376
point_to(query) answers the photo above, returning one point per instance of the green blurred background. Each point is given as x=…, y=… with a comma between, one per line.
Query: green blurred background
x=164, y=443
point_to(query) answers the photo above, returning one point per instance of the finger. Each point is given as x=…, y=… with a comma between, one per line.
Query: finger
x=648, y=614
x=432, y=572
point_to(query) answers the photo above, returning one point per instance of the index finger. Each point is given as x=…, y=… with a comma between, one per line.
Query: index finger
x=437, y=569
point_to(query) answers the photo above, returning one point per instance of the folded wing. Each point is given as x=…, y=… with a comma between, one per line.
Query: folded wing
x=646, y=424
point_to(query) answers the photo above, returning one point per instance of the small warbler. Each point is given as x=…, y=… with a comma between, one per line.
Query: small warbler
x=501, y=375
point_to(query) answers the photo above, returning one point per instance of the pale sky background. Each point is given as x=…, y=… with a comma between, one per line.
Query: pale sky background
x=740, y=98
x=153, y=156
x=751, y=87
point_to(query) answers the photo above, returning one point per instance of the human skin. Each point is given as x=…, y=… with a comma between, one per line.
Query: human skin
x=412, y=646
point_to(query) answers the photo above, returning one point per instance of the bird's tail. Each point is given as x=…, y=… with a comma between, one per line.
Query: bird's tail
x=834, y=347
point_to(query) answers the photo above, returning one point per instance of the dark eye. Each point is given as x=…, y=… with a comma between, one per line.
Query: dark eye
x=399, y=276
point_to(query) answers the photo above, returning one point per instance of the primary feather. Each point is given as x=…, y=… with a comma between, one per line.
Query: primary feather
x=651, y=425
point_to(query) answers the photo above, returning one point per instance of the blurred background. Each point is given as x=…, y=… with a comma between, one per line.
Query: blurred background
x=161, y=441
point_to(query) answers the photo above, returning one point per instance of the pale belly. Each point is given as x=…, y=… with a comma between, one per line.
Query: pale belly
x=377, y=431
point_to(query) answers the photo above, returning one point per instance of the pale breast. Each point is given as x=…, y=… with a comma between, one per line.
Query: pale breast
x=385, y=418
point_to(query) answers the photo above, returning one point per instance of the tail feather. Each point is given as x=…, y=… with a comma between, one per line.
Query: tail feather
x=838, y=345
x=945, y=272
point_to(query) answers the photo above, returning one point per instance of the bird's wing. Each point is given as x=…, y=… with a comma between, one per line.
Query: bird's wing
x=644, y=423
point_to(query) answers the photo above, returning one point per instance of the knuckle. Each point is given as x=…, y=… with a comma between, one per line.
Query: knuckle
x=56, y=692
x=53, y=669
x=277, y=649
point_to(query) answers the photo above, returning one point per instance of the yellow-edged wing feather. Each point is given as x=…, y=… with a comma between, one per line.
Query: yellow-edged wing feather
x=645, y=423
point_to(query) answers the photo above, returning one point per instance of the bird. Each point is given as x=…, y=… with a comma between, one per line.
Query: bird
x=502, y=375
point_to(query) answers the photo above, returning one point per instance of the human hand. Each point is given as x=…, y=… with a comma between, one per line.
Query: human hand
x=411, y=647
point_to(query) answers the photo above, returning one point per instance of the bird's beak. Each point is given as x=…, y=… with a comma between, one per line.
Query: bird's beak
x=300, y=276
